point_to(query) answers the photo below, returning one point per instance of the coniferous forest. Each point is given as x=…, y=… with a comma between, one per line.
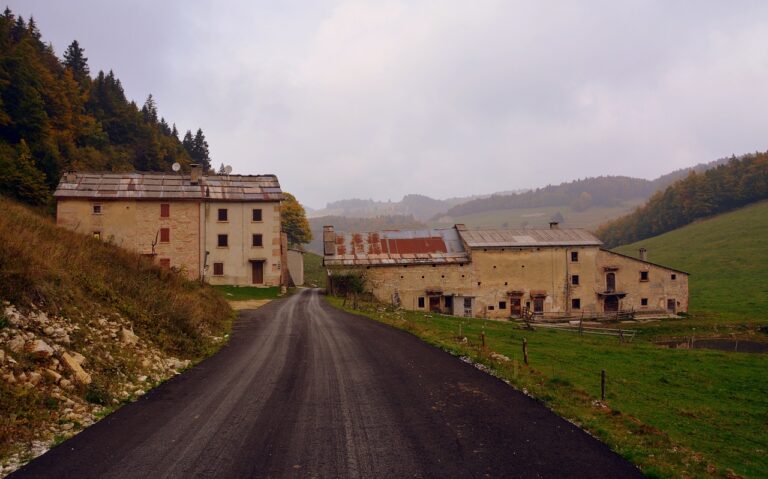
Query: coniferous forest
x=729, y=186
x=55, y=116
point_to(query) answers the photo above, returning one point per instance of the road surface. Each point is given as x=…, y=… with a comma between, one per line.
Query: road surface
x=305, y=390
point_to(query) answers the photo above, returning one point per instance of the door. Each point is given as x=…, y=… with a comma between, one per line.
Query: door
x=610, y=282
x=611, y=303
x=467, y=307
x=257, y=272
x=448, y=301
x=538, y=305
x=434, y=304
x=515, y=307
x=671, y=305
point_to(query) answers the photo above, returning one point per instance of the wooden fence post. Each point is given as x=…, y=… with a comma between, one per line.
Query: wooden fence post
x=602, y=385
x=525, y=351
x=482, y=339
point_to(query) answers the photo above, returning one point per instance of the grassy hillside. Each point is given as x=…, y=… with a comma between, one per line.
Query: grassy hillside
x=314, y=273
x=727, y=256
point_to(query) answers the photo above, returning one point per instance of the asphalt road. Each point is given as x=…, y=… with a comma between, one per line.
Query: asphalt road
x=305, y=390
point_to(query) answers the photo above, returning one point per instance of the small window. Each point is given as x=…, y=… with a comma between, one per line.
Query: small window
x=223, y=214
x=256, y=214
x=97, y=209
x=257, y=240
x=643, y=275
x=643, y=301
x=97, y=235
x=218, y=269
x=502, y=305
x=674, y=276
x=575, y=279
x=490, y=308
x=165, y=210
x=421, y=302
x=479, y=283
x=223, y=241
x=575, y=256
x=576, y=303
x=165, y=235
x=165, y=263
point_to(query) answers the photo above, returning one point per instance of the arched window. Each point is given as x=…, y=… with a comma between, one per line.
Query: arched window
x=610, y=281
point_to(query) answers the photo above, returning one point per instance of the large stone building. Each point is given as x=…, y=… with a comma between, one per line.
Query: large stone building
x=223, y=228
x=504, y=273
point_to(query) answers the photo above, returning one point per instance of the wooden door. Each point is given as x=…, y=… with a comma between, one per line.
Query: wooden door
x=257, y=272
x=515, y=307
x=538, y=305
x=611, y=303
x=671, y=305
x=434, y=304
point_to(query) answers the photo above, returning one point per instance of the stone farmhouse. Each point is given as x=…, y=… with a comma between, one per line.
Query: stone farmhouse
x=224, y=229
x=559, y=273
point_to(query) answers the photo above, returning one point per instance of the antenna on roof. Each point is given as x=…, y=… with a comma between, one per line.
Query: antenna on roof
x=176, y=167
x=227, y=169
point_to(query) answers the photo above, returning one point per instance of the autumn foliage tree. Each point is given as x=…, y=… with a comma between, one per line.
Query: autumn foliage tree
x=294, y=221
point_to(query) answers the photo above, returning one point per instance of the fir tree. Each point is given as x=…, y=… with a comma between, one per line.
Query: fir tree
x=75, y=60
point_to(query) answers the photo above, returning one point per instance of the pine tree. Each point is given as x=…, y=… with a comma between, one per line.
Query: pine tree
x=75, y=60
x=149, y=110
x=175, y=132
x=200, y=153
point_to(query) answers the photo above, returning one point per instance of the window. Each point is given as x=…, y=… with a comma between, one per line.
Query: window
x=674, y=276
x=257, y=240
x=576, y=303
x=223, y=241
x=502, y=305
x=643, y=275
x=165, y=263
x=97, y=235
x=97, y=209
x=643, y=301
x=165, y=210
x=256, y=214
x=165, y=235
x=575, y=279
x=223, y=214
x=575, y=256
x=421, y=302
x=218, y=269
x=490, y=308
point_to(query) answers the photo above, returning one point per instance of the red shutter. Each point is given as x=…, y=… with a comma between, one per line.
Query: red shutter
x=165, y=235
x=165, y=210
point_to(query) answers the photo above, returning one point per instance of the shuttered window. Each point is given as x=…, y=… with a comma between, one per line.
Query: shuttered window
x=165, y=235
x=165, y=210
x=218, y=269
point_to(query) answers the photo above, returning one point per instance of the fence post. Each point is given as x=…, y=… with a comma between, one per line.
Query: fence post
x=602, y=385
x=525, y=351
x=621, y=335
x=482, y=339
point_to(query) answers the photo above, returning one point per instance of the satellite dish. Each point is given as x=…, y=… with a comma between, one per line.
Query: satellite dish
x=176, y=167
x=227, y=169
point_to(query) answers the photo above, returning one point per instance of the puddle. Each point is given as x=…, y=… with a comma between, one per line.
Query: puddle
x=730, y=345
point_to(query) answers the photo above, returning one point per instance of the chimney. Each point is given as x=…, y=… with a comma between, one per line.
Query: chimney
x=329, y=241
x=554, y=225
x=196, y=173
x=643, y=254
x=460, y=227
x=70, y=177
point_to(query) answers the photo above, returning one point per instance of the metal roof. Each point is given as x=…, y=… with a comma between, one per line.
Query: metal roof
x=528, y=237
x=395, y=247
x=168, y=186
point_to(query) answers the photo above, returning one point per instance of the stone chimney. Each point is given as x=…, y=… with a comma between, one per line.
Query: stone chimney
x=643, y=254
x=70, y=177
x=329, y=241
x=196, y=173
x=554, y=225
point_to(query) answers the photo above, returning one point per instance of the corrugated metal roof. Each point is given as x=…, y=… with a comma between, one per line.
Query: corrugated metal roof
x=528, y=237
x=170, y=186
x=395, y=247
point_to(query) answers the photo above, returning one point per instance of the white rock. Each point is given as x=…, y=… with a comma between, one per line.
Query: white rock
x=39, y=349
x=34, y=377
x=79, y=358
x=16, y=344
x=48, y=330
x=74, y=367
x=52, y=375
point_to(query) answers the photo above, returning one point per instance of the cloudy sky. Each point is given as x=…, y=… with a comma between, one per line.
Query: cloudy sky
x=377, y=99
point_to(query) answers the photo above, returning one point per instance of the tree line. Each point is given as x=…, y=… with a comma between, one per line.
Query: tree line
x=54, y=117
x=726, y=187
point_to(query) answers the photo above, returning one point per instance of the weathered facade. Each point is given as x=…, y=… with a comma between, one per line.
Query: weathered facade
x=224, y=228
x=504, y=273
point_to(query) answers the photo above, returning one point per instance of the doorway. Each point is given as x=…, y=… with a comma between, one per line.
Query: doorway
x=434, y=304
x=538, y=305
x=671, y=305
x=257, y=272
x=515, y=306
x=611, y=304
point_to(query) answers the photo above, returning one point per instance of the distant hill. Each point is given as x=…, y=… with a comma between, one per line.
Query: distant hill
x=727, y=258
x=343, y=223
x=728, y=186
x=419, y=206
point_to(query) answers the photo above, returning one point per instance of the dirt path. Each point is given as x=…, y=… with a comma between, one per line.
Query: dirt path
x=305, y=390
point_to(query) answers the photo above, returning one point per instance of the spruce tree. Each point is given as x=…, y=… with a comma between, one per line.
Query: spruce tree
x=75, y=60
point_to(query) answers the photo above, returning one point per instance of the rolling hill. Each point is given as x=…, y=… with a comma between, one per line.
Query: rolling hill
x=727, y=258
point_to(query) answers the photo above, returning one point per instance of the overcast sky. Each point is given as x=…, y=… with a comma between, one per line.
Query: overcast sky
x=377, y=99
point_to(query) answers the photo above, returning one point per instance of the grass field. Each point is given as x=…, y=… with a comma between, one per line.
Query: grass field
x=674, y=413
x=314, y=274
x=727, y=257
x=247, y=293
x=540, y=217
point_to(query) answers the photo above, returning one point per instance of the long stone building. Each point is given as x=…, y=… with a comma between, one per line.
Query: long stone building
x=504, y=273
x=223, y=228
